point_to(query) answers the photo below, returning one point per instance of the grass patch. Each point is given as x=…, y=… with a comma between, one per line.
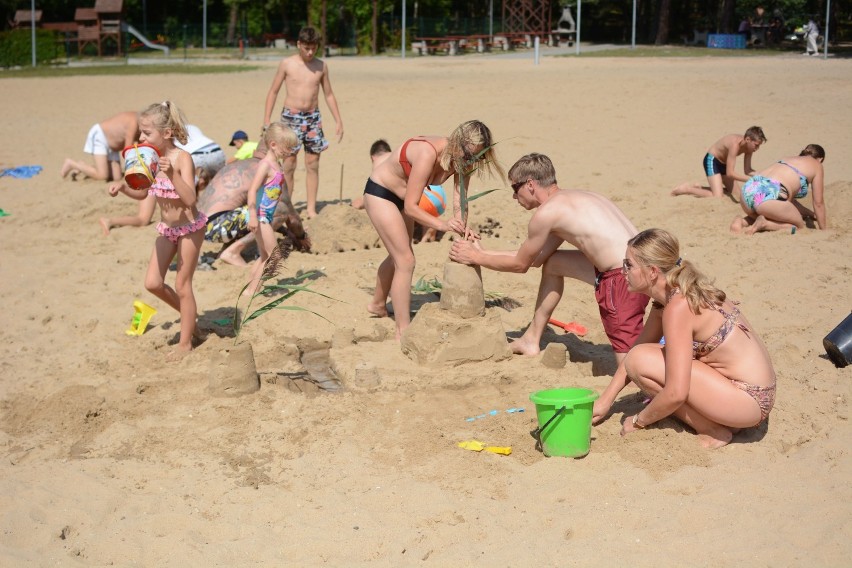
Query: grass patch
x=124, y=69
x=679, y=51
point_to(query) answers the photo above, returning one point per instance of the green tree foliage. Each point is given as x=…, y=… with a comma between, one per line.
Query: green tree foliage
x=349, y=23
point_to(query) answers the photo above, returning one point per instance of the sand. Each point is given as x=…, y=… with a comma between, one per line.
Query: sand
x=110, y=456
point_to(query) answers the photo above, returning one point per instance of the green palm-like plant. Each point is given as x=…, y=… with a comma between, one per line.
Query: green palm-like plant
x=288, y=288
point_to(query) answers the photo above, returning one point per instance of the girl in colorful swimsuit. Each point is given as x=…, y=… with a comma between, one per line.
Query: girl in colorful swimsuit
x=769, y=197
x=712, y=371
x=182, y=226
x=265, y=192
x=392, y=197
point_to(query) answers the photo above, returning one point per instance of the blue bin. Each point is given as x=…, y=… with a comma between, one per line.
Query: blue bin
x=726, y=41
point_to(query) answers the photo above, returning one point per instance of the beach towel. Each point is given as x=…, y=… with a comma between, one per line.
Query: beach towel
x=21, y=172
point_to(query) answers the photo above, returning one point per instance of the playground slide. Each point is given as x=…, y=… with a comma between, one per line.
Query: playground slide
x=133, y=31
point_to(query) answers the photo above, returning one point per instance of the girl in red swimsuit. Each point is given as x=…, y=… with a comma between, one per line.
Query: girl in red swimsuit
x=712, y=372
x=392, y=198
x=182, y=226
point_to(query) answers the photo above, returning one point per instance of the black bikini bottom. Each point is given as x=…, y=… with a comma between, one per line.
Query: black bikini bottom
x=375, y=189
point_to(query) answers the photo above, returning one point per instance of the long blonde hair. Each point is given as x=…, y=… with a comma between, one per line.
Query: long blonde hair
x=167, y=115
x=658, y=247
x=457, y=158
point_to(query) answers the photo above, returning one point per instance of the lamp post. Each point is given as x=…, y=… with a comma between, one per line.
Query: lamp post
x=32, y=30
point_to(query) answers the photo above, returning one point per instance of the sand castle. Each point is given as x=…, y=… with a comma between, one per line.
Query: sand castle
x=458, y=329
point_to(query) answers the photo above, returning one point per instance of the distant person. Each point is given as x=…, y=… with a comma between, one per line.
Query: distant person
x=225, y=201
x=588, y=221
x=392, y=200
x=379, y=150
x=713, y=373
x=769, y=197
x=265, y=193
x=304, y=75
x=181, y=230
x=811, y=30
x=142, y=218
x=105, y=142
x=245, y=148
x=720, y=163
x=206, y=154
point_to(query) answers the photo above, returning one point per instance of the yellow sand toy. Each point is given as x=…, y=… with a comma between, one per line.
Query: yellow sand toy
x=141, y=317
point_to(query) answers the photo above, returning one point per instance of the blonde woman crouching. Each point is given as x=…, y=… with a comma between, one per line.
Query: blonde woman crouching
x=713, y=372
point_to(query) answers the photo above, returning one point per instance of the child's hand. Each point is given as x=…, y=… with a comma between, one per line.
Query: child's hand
x=165, y=166
x=253, y=224
x=114, y=189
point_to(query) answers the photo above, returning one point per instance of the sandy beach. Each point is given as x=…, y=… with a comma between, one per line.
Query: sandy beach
x=111, y=456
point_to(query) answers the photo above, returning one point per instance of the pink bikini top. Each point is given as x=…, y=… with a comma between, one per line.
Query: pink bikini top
x=163, y=187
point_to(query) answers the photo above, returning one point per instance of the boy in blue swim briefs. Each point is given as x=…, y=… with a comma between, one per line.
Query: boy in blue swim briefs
x=720, y=163
x=303, y=75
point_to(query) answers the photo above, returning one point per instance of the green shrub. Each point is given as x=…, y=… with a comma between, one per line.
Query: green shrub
x=16, y=47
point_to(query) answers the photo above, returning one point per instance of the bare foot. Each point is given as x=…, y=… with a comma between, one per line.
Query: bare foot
x=682, y=189
x=523, y=346
x=104, y=225
x=758, y=225
x=720, y=436
x=67, y=168
x=738, y=224
x=232, y=258
x=178, y=354
x=380, y=311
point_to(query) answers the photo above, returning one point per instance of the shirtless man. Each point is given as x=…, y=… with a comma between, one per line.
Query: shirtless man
x=303, y=75
x=599, y=231
x=105, y=142
x=225, y=204
x=720, y=163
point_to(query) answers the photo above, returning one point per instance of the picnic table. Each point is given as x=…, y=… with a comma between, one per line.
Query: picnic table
x=455, y=44
x=429, y=45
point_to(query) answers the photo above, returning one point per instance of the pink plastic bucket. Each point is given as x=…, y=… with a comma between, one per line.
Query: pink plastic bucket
x=140, y=165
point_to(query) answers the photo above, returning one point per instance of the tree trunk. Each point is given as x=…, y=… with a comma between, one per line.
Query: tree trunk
x=232, y=24
x=727, y=24
x=309, y=18
x=375, y=39
x=663, y=27
x=322, y=24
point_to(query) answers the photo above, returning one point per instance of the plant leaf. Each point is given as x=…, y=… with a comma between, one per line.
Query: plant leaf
x=483, y=193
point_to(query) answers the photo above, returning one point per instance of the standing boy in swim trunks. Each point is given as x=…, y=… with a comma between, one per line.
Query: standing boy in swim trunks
x=589, y=221
x=720, y=163
x=105, y=142
x=303, y=75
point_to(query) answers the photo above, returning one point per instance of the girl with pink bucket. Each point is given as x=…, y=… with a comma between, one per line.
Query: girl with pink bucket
x=182, y=227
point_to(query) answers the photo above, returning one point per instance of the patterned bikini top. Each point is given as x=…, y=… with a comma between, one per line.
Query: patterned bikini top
x=162, y=187
x=702, y=348
x=803, y=180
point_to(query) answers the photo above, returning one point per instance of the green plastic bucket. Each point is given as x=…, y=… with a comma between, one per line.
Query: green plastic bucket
x=564, y=421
